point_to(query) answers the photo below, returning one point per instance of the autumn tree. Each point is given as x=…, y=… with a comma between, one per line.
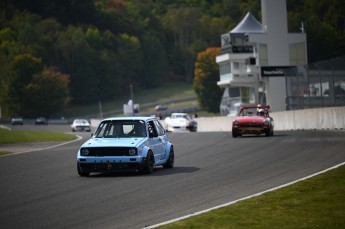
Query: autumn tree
x=23, y=67
x=205, y=80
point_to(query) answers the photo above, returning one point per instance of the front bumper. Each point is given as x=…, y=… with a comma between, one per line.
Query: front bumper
x=107, y=164
x=110, y=167
x=192, y=127
x=251, y=129
x=82, y=128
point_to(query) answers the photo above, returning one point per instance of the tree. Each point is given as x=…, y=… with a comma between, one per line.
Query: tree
x=155, y=62
x=185, y=27
x=8, y=49
x=131, y=58
x=46, y=94
x=66, y=11
x=206, y=75
x=24, y=66
x=81, y=62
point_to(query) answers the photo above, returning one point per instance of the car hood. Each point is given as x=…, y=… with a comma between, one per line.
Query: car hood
x=255, y=119
x=113, y=142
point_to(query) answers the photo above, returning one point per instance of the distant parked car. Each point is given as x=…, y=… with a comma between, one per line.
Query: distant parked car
x=81, y=125
x=253, y=120
x=180, y=121
x=126, y=144
x=161, y=108
x=17, y=121
x=41, y=121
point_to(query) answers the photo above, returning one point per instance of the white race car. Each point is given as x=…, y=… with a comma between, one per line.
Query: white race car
x=81, y=125
x=180, y=121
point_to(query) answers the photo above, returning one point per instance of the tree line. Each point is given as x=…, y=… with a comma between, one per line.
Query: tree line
x=55, y=54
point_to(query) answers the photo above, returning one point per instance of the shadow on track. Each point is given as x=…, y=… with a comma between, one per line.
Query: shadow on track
x=157, y=172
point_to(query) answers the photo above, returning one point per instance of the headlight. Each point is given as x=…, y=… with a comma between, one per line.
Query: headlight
x=235, y=122
x=266, y=122
x=132, y=151
x=85, y=152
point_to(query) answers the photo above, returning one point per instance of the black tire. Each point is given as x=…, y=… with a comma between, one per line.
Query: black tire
x=234, y=133
x=149, y=163
x=82, y=172
x=171, y=160
x=268, y=133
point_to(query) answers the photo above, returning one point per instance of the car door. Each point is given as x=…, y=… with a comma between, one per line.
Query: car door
x=155, y=140
x=162, y=138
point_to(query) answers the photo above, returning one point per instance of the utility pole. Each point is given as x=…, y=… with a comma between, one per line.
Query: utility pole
x=132, y=98
x=100, y=109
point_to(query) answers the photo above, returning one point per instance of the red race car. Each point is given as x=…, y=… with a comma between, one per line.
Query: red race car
x=253, y=120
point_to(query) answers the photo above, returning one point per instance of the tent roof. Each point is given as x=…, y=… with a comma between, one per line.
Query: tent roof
x=249, y=24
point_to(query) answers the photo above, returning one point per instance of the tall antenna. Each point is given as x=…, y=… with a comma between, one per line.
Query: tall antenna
x=302, y=27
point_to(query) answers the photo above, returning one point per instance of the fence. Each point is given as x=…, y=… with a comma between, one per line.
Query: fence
x=317, y=85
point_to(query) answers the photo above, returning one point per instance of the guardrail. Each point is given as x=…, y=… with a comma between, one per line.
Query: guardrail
x=332, y=118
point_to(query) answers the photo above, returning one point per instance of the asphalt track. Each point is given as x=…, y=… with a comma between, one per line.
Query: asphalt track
x=41, y=189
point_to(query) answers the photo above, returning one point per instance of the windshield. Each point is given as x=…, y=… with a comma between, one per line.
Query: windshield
x=121, y=129
x=249, y=112
x=81, y=122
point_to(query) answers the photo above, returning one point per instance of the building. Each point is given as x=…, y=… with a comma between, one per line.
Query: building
x=255, y=58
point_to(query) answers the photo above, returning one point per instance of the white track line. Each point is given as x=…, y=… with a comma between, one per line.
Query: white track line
x=244, y=198
x=49, y=147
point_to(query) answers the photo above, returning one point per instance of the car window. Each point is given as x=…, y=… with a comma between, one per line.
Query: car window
x=151, y=128
x=121, y=129
x=137, y=129
x=187, y=117
x=160, y=128
x=248, y=112
x=81, y=121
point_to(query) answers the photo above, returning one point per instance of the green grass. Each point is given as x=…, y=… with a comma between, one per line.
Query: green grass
x=14, y=136
x=318, y=202
x=4, y=153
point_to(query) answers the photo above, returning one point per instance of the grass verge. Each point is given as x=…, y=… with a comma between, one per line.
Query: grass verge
x=4, y=153
x=318, y=202
x=15, y=136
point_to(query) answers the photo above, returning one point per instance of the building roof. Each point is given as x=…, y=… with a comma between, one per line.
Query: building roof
x=249, y=24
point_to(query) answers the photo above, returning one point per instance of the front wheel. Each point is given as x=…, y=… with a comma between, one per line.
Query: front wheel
x=149, y=163
x=82, y=172
x=234, y=133
x=170, y=161
x=269, y=132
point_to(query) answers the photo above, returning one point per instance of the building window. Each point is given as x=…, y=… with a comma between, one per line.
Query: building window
x=236, y=66
x=263, y=56
x=234, y=92
x=297, y=54
x=225, y=68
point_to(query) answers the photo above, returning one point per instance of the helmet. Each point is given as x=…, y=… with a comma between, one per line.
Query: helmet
x=261, y=112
